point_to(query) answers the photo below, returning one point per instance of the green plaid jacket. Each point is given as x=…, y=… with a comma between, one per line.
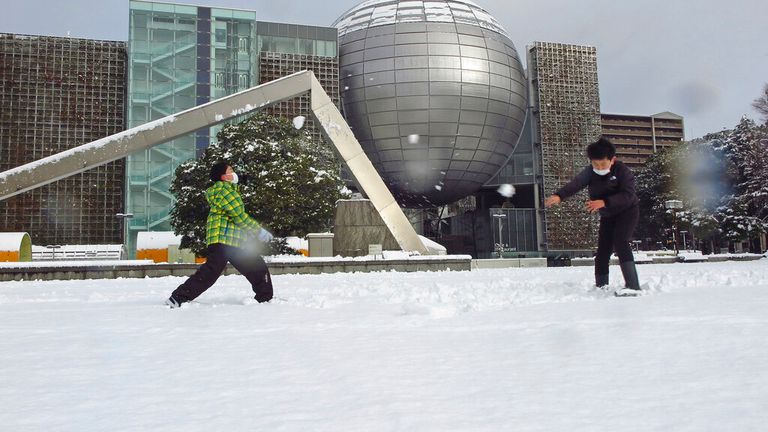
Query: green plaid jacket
x=228, y=223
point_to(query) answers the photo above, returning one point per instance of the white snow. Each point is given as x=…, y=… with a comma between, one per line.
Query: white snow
x=11, y=241
x=506, y=190
x=156, y=240
x=413, y=138
x=526, y=349
x=72, y=263
x=298, y=122
x=692, y=256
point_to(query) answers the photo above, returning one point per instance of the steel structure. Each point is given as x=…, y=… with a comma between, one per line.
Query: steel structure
x=434, y=91
x=324, y=111
x=57, y=93
x=566, y=108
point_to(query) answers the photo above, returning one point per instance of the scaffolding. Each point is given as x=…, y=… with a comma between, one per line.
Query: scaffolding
x=57, y=93
x=567, y=111
x=274, y=65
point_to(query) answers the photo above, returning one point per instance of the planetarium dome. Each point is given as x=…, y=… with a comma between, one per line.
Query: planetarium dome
x=435, y=93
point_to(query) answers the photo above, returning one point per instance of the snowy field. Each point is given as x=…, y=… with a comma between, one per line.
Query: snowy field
x=489, y=350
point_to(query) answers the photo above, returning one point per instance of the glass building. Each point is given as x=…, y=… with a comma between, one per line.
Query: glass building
x=181, y=56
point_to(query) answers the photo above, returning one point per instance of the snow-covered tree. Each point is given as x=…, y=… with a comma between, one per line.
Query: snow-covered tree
x=722, y=180
x=743, y=215
x=692, y=173
x=289, y=184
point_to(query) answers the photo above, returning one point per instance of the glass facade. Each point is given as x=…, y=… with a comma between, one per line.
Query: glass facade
x=181, y=56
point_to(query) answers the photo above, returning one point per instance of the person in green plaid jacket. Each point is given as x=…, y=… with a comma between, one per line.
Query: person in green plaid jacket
x=229, y=232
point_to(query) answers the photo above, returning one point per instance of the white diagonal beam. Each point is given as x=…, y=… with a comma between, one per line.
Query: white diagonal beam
x=120, y=145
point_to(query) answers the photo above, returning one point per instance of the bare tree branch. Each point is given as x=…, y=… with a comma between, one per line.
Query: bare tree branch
x=761, y=104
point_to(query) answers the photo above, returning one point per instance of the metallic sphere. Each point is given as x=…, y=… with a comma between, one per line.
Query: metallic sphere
x=435, y=93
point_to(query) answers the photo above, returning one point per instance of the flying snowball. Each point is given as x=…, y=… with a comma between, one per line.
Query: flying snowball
x=413, y=139
x=298, y=122
x=506, y=190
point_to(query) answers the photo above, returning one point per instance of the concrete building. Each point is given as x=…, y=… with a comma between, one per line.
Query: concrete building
x=638, y=137
x=58, y=93
x=181, y=56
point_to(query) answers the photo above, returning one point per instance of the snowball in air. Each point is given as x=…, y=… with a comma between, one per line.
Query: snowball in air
x=298, y=122
x=506, y=190
x=413, y=139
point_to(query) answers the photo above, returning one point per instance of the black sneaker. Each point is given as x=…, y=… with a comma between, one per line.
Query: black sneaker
x=172, y=303
x=262, y=299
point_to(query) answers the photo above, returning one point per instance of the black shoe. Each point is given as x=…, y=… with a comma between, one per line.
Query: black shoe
x=629, y=271
x=601, y=281
x=172, y=303
x=262, y=299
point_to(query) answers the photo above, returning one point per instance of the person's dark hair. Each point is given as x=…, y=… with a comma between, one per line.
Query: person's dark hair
x=218, y=169
x=601, y=149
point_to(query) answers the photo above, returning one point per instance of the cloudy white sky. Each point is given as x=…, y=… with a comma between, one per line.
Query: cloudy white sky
x=704, y=59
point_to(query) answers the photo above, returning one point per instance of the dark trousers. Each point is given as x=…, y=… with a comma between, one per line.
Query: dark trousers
x=252, y=266
x=613, y=236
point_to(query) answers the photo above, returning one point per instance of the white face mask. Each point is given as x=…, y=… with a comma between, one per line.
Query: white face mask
x=234, y=178
x=601, y=172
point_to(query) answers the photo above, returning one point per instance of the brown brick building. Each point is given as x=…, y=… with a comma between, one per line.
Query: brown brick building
x=637, y=137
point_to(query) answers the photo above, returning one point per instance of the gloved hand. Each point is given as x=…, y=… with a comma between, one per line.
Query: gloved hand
x=264, y=235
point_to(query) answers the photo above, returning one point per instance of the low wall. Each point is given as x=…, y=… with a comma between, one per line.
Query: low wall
x=86, y=271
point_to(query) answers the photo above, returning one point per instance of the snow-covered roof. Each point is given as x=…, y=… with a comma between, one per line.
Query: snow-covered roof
x=11, y=241
x=156, y=240
x=62, y=248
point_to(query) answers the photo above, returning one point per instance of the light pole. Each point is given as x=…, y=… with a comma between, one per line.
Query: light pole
x=674, y=205
x=500, y=245
x=685, y=245
x=123, y=217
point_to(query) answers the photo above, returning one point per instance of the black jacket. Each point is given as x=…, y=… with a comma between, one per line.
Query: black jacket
x=617, y=188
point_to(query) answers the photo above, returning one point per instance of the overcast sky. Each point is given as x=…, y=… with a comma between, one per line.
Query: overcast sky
x=706, y=60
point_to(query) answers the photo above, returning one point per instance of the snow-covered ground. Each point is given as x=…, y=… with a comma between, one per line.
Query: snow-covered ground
x=524, y=349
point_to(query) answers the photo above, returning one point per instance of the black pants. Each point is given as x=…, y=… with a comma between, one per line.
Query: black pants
x=252, y=266
x=614, y=235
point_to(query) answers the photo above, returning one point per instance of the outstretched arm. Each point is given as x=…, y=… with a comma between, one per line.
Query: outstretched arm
x=575, y=185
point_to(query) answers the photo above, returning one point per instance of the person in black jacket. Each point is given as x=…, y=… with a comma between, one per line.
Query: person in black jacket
x=611, y=187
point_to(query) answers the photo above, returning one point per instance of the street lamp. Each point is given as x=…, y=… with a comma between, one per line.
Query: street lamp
x=685, y=245
x=123, y=217
x=500, y=245
x=674, y=205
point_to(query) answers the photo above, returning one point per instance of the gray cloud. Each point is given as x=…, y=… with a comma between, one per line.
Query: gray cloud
x=705, y=60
